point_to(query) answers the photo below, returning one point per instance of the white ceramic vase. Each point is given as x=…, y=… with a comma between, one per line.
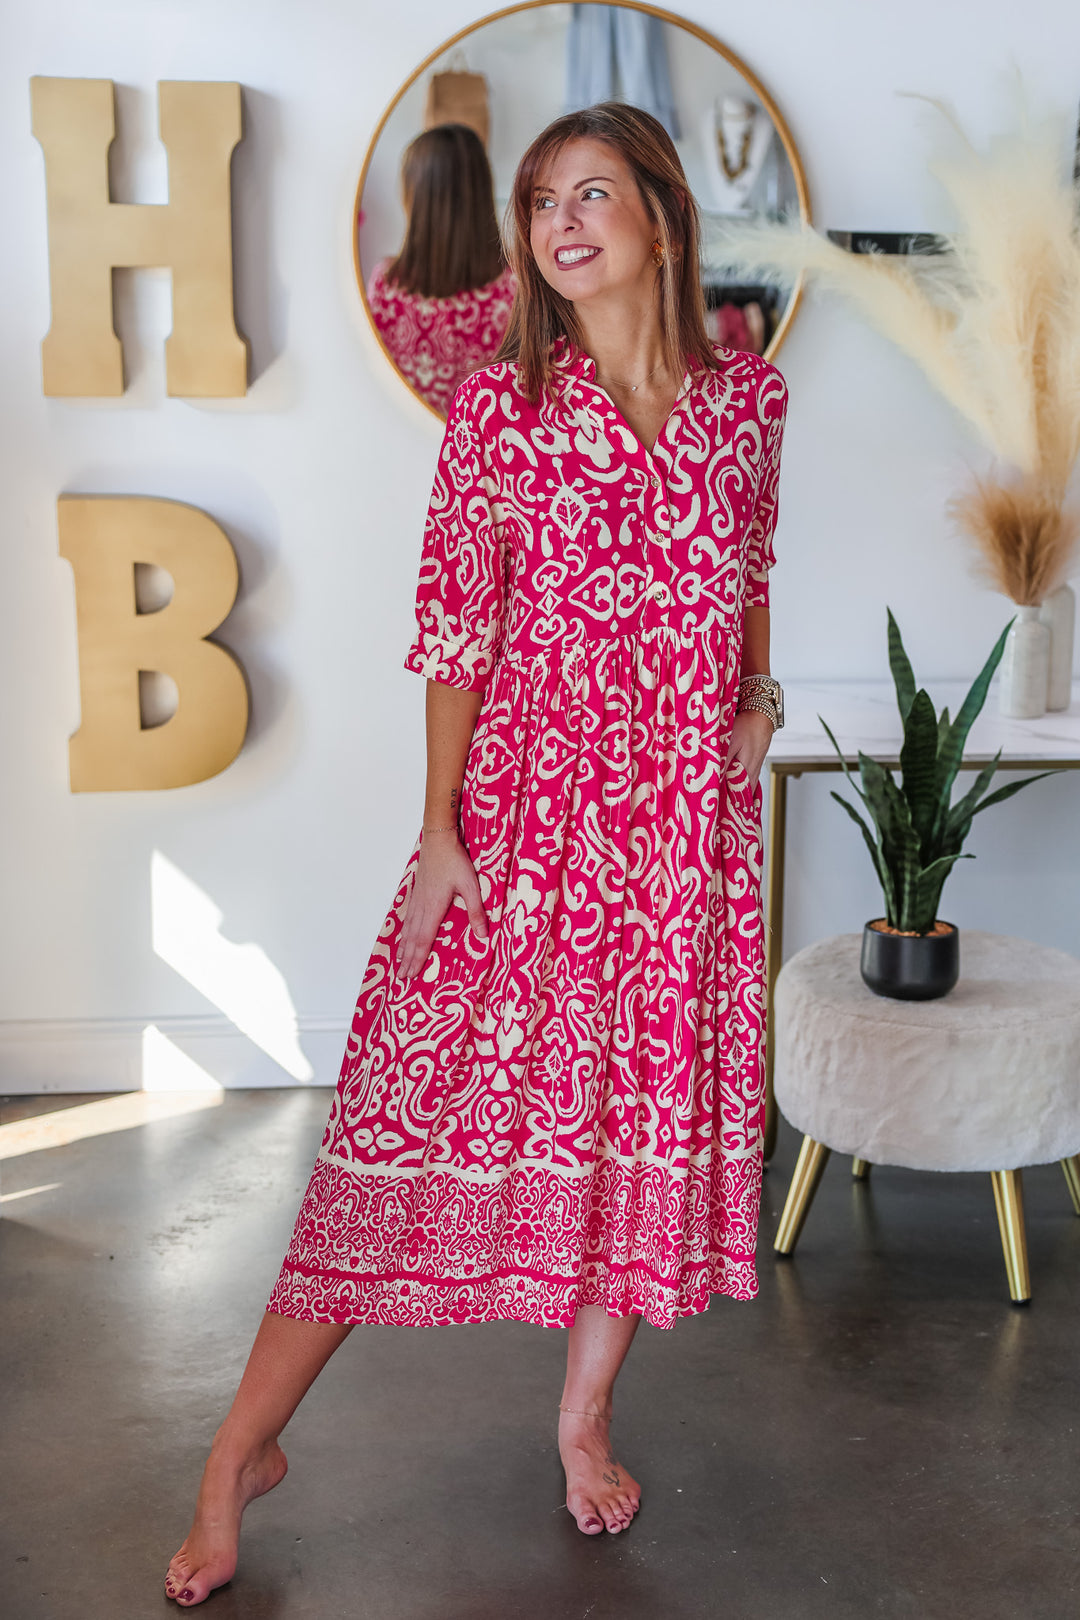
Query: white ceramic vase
x=1058, y=613
x=1025, y=667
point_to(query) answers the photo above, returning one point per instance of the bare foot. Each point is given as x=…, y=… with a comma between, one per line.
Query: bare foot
x=599, y=1492
x=230, y=1481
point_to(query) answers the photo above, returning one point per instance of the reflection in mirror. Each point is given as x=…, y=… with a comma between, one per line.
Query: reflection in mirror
x=435, y=285
x=441, y=305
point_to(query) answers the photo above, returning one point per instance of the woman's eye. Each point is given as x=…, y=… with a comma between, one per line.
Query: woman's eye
x=543, y=202
x=593, y=191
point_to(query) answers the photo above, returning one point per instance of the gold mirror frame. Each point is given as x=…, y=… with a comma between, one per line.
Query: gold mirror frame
x=706, y=38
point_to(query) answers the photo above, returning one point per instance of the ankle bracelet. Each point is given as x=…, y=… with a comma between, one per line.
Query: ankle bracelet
x=570, y=1413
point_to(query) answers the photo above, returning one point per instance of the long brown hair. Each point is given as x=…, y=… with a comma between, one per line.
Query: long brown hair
x=541, y=315
x=452, y=237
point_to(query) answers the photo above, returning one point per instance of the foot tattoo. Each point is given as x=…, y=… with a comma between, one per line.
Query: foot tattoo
x=599, y=1492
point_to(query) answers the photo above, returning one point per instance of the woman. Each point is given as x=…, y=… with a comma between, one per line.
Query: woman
x=442, y=305
x=551, y=1104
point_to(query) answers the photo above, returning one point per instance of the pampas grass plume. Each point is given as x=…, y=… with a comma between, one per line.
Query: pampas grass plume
x=994, y=324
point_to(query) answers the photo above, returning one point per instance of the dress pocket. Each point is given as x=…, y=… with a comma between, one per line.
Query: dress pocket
x=738, y=776
x=740, y=786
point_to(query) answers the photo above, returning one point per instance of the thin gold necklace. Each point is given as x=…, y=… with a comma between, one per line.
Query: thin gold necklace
x=633, y=387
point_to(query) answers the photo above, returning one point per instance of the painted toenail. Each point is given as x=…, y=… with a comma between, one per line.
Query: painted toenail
x=186, y=1595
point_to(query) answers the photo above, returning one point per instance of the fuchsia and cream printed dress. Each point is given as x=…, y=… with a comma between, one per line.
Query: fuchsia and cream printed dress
x=437, y=342
x=571, y=1113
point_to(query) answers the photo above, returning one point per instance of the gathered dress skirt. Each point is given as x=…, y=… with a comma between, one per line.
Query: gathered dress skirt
x=569, y=1113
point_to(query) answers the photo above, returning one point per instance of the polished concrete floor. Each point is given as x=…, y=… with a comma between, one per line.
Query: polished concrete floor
x=880, y=1434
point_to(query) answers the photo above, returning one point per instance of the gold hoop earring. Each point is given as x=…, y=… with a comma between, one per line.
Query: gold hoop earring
x=658, y=252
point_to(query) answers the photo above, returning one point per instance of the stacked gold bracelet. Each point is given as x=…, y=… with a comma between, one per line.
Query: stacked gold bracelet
x=760, y=694
x=759, y=704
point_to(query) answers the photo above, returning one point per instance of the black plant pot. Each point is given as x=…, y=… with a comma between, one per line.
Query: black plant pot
x=910, y=967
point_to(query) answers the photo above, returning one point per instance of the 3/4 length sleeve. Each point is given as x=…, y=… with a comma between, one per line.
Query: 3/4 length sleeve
x=459, y=598
x=772, y=405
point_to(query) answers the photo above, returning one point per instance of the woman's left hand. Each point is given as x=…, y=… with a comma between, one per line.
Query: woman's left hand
x=751, y=735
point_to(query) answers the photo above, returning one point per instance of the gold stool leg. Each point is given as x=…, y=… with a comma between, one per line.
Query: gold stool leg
x=1009, y=1201
x=774, y=939
x=860, y=1169
x=1071, y=1168
x=813, y=1157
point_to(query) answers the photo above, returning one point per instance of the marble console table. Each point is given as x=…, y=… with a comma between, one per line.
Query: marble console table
x=863, y=715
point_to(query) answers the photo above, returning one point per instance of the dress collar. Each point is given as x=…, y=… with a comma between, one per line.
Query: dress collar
x=569, y=363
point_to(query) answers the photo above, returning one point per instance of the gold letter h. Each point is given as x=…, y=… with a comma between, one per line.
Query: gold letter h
x=89, y=236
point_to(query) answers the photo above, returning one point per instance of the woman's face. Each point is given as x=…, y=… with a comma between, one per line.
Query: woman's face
x=590, y=233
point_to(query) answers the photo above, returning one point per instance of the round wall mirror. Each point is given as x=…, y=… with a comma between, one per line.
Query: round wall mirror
x=438, y=173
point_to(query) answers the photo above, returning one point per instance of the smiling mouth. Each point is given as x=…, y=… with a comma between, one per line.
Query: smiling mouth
x=567, y=257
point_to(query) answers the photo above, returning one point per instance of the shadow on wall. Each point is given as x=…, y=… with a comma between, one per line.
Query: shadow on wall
x=260, y=297
x=260, y=606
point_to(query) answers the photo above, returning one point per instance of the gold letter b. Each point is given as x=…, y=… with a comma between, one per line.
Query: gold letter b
x=103, y=537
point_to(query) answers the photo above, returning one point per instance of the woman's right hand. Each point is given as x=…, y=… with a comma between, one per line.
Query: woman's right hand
x=444, y=873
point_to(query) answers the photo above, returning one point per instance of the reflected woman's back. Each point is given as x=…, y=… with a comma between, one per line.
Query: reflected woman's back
x=441, y=306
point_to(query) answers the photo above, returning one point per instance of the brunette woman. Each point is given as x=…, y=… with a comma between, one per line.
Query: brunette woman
x=442, y=305
x=551, y=1104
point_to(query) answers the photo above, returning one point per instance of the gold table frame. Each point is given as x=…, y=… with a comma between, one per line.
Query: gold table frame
x=779, y=772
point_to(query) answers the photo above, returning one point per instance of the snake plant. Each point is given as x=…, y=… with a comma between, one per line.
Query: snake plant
x=918, y=833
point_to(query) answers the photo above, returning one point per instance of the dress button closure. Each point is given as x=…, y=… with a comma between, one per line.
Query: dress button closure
x=660, y=594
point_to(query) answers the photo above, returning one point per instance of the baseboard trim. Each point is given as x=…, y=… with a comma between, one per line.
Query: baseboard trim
x=111, y=1054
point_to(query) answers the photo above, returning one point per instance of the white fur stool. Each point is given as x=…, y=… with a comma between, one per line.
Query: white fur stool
x=987, y=1078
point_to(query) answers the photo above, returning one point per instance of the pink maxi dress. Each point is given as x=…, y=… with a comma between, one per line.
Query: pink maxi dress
x=571, y=1113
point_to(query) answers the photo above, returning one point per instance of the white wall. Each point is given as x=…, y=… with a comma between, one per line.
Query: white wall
x=321, y=477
